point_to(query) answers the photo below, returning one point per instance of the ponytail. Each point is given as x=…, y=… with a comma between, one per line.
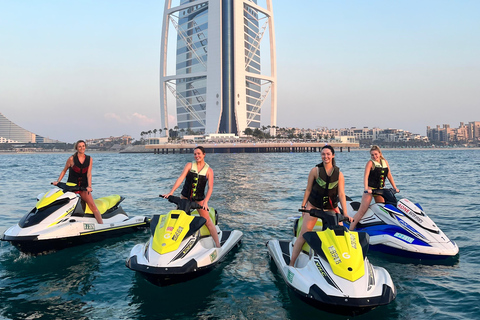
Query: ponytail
x=377, y=148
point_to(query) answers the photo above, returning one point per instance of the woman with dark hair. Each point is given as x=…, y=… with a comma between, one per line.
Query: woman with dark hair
x=197, y=175
x=376, y=170
x=325, y=187
x=79, y=168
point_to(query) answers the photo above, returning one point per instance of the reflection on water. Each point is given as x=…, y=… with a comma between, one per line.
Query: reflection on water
x=46, y=285
x=254, y=193
x=192, y=299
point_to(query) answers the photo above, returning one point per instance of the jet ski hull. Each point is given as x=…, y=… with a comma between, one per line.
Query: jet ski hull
x=164, y=276
x=162, y=271
x=317, y=298
x=393, y=232
x=39, y=244
x=419, y=254
x=317, y=288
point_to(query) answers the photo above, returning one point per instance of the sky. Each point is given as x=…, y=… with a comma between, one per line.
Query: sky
x=88, y=69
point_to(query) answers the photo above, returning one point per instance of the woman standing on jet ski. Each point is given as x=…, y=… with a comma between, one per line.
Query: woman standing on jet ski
x=196, y=175
x=80, y=173
x=326, y=185
x=376, y=170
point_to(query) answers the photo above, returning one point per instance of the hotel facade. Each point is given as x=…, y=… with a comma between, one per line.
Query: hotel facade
x=12, y=133
x=217, y=81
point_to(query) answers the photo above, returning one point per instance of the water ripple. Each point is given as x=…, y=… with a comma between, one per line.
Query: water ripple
x=254, y=193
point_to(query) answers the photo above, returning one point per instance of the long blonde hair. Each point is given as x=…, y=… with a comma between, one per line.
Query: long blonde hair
x=377, y=148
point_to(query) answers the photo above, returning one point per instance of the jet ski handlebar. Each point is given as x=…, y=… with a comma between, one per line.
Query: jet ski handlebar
x=387, y=194
x=183, y=204
x=382, y=191
x=66, y=187
x=328, y=218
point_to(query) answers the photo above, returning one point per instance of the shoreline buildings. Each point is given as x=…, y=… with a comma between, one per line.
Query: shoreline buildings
x=219, y=84
x=13, y=133
x=469, y=132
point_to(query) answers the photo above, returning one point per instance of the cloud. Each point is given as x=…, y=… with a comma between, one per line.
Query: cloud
x=172, y=120
x=113, y=116
x=135, y=118
x=142, y=119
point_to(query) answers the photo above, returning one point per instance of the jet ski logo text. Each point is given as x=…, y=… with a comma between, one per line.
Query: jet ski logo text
x=353, y=242
x=177, y=233
x=88, y=226
x=290, y=276
x=213, y=256
x=334, y=254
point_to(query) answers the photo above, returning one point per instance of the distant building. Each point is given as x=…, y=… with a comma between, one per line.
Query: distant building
x=218, y=83
x=465, y=133
x=156, y=140
x=122, y=140
x=384, y=135
x=474, y=131
x=12, y=133
x=221, y=137
x=361, y=133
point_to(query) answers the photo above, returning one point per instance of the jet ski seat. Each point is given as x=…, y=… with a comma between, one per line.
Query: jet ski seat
x=104, y=203
x=298, y=227
x=204, y=230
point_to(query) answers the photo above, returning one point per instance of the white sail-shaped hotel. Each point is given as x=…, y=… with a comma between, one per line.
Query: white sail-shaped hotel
x=217, y=81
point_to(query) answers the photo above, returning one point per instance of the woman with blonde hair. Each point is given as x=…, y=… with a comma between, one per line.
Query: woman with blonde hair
x=376, y=170
x=79, y=168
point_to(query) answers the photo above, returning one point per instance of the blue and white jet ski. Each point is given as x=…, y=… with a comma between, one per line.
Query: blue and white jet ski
x=181, y=247
x=402, y=228
x=332, y=272
x=60, y=219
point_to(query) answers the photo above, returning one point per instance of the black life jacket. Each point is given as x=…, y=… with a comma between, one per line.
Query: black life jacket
x=78, y=172
x=376, y=178
x=324, y=194
x=195, y=183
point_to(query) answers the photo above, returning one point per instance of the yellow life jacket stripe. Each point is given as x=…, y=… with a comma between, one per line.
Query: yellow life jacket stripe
x=322, y=183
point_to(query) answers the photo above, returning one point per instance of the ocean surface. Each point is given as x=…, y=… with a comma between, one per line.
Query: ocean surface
x=254, y=193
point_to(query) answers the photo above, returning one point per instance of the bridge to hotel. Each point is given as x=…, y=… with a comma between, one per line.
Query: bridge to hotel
x=248, y=147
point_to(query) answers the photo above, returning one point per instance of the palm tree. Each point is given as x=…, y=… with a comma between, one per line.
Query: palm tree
x=257, y=133
x=160, y=132
x=248, y=131
x=155, y=132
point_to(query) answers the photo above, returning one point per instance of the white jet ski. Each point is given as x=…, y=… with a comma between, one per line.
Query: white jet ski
x=181, y=247
x=402, y=228
x=332, y=271
x=61, y=219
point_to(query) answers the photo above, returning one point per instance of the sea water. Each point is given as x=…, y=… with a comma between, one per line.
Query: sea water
x=254, y=193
